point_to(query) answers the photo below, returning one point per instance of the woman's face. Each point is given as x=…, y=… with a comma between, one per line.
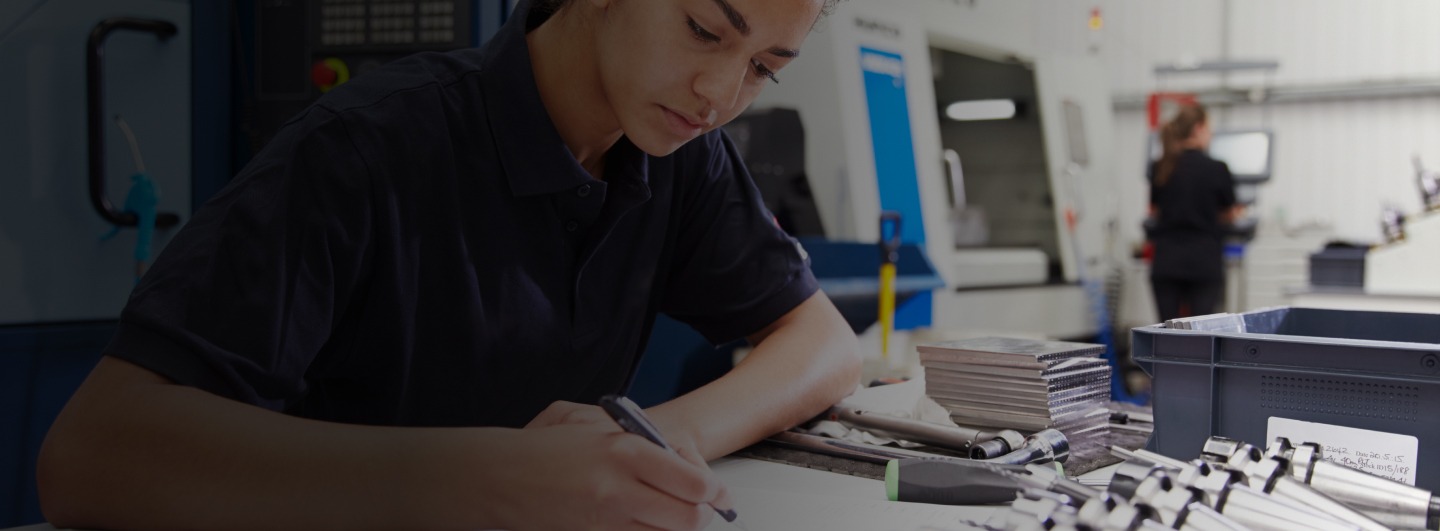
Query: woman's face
x=672, y=70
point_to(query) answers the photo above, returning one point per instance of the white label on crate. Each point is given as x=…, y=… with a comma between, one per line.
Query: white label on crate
x=1388, y=455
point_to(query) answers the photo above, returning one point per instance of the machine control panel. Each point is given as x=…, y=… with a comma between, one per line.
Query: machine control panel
x=305, y=48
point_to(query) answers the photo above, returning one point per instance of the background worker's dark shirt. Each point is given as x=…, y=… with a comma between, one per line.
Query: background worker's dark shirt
x=421, y=248
x=1189, y=237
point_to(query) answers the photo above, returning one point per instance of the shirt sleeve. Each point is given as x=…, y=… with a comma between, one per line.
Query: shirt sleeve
x=1150, y=183
x=1226, y=193
x=735, y=271
x=244, y=297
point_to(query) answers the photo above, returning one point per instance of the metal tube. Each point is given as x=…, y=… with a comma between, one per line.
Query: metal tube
x=1042, y=476
x=1148, y=457
x=1255, y=509
x=1287, y=487
x=1199, y=517
x=1393, y=503
x=1042, y=447
x=1167, y=462
x=907, y=429
x=850, y=450
x=959, y=438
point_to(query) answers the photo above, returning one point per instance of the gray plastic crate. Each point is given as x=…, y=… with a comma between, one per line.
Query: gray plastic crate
x=1370, y=370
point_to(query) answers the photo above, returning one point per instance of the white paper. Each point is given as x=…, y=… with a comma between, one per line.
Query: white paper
x=894, y=399
x=761, y=509
x=904, y=400
x=1388, y=455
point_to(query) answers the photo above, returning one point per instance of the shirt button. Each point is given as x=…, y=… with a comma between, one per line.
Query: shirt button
x=571, y=225
x=583, y=190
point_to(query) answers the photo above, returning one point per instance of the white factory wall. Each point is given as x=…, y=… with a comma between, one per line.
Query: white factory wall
x=1340, y=40
x=1337, y=163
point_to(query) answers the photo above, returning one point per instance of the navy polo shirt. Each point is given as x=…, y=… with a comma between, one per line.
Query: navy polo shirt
x=420, y=248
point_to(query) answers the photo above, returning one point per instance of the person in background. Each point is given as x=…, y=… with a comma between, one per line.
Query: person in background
x=401, y=313
x=1192, y=201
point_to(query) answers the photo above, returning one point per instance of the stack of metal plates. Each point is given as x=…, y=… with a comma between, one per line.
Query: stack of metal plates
x=1021, y=384
x=1219, y=322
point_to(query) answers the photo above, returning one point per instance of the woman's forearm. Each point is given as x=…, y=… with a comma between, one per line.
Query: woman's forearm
x=808, y=361
x=133, y=451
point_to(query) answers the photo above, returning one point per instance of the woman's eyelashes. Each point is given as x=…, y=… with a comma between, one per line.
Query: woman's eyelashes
x=701, y=34
x=764, y=72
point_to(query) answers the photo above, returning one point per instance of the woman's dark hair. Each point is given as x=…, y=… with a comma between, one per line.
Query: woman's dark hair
x=540, y=11
x=1173, y=137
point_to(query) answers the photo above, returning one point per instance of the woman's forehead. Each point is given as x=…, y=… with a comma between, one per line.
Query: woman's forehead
x=754, y=13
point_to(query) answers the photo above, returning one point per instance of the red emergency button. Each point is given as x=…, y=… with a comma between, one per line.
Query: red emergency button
x=328, y=73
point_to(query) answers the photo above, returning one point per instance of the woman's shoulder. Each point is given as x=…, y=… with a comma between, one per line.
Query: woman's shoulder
x=1201, y=162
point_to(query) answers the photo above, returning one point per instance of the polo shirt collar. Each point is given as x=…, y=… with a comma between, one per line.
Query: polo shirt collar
x=535, y=158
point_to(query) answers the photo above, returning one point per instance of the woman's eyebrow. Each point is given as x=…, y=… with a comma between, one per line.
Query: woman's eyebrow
x=784, y=52
x=738, y=21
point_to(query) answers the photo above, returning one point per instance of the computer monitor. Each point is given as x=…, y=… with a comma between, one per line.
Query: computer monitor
x=1247, y=152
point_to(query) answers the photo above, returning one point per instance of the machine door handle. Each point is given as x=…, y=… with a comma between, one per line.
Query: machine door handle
x=95, y=109
x=957, y=179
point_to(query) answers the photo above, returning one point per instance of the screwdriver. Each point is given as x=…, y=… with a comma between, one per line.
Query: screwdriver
x=971, y=482
x=952, y=482
x=889, y=254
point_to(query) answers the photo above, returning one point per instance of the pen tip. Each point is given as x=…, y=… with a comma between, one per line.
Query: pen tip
x=728, y=514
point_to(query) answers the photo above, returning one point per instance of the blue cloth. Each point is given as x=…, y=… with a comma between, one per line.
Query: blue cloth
x=142, y=200
x=420, y=248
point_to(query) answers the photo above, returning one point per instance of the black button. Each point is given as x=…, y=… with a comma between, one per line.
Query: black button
x=572, y=225
x=583, y=190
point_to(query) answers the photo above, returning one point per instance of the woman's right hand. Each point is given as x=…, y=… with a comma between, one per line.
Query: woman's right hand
x=592, y=476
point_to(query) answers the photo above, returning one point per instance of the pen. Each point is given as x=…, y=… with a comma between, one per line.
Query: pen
x=631, y=419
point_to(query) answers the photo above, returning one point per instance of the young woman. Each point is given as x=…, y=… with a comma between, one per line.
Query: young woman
x=1192, y=199
x=397, y=314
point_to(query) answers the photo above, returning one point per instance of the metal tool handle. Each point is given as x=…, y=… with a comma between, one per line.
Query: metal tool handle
x=978, y=443
x=868, y=453
x=1042, y=446
x=95, y=110
x=958, y=439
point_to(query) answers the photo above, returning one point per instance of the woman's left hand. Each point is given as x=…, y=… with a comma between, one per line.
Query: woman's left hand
x=561, y=412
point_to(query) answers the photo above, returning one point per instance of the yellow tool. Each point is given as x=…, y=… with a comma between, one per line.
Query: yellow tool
x=889, y=254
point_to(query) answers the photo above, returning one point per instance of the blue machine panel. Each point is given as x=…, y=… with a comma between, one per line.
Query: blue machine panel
x=895, y=173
